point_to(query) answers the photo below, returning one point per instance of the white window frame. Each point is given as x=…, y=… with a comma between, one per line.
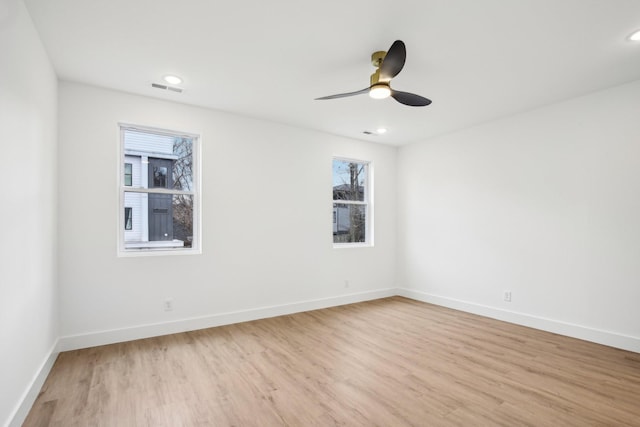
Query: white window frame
x=196, y=246
x=367, y=202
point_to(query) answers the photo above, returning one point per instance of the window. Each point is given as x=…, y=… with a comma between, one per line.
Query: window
x=128, y=174
x=351, y=202
x=158, y=191
x=128, y=220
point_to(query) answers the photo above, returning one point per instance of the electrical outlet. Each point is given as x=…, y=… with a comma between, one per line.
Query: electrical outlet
x=168, y=304
x=346, y=283
x=507, y=296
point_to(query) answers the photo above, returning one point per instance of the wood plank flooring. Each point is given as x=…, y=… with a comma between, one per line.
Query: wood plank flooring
x=389, y=362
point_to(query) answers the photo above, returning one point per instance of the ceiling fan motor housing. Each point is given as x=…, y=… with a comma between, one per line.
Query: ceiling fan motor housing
x=377, y=58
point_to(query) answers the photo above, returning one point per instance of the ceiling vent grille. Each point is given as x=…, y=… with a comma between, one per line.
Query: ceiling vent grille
x=166, y=87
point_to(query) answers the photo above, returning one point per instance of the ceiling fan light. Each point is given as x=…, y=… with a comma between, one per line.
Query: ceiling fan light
x=379, y=91
x=635, y=37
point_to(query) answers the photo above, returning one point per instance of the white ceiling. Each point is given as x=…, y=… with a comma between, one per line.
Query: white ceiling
x=476, y=59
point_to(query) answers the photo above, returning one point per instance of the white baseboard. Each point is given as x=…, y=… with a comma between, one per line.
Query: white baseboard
x=608, y=338
x=31, y=393
x=74, y=342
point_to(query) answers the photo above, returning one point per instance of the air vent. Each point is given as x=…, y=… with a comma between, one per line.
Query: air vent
x=165, y=87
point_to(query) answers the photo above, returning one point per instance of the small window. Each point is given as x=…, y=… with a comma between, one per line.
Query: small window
x=159, y=177
x=128, y=174
x=159, y=191
x=351, y=202
x=128, y=220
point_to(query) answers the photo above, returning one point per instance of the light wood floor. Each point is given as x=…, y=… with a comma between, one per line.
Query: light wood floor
x=390, y=362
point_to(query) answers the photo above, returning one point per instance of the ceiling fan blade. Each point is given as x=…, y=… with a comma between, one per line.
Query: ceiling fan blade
x=394, y=61
x=344, y=95
x=410, y=99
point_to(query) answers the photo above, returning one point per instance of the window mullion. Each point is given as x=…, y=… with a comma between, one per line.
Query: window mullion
x=350, y=202
x=156, y=191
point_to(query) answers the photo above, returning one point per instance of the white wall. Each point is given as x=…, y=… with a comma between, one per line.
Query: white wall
x=28, y=299
x=267, y=222
x=545, y=204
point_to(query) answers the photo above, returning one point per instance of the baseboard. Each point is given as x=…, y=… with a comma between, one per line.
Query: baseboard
x=74, y=342
x=612, y=339
x=31, y=393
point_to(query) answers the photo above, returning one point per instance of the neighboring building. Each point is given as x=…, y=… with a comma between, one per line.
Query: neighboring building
x=148, y=217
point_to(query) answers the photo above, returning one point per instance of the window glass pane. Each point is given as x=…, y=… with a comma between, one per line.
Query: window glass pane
x=183, y=219
x=165, y=161
x=128, y=174
x=128, y=220
x=349, y=180
x=349, y=224
x=158, y=221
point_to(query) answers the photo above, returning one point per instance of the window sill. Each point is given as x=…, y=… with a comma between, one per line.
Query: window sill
x=157, y=244
x=351, y=245
x=156, y=248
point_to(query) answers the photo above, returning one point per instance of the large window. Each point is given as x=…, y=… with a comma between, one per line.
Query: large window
x=351, y=203
x=158, y=191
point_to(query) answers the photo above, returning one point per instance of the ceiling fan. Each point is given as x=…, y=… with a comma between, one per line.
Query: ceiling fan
x=388, y=65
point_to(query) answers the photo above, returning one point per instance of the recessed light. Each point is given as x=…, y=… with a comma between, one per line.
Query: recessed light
x=635, y=37
x=381, y=131
x=173, y=80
